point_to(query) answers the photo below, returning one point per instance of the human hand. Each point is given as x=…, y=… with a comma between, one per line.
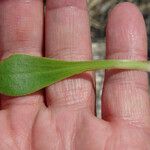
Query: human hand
x=63, y=117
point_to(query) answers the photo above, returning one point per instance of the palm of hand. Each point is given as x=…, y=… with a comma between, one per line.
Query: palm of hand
x=74, y=130
x=69, y=123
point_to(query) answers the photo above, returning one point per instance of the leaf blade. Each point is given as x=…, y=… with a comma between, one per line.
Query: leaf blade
x=24, y=74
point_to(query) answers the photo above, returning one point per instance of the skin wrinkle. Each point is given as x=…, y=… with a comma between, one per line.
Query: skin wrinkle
x=66, y=126
x=6, y=53
x=23, y=22
x=77, y=122
x=7, y=125
x=74, y=133
x=66, y=54
x=136, y=124
x=20, y=1
x=11, y=131
x=127, y=113
x=20, y=24
x=52, y=5
x=16, y=127
x=9, y=101
x=62, y=30
x=139, y=124
x=69, y=127
x=26, y=135
x=129, y=83
x=128, y=33
x=54, y=133
x=61, y=100
x=87, y=133
x=68, y=49
x=129, y=92
x=59, y=135
x=32, y=128
x=133, y=122
x=7, y=105
x=125, y=88
x=69, y=6
x=121, y=74
x=116, y=53
x=122, y=138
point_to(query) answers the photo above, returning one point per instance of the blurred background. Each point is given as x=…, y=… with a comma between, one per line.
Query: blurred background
x=98, y=11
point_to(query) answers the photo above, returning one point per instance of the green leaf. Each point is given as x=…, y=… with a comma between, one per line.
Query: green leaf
x=24, y=74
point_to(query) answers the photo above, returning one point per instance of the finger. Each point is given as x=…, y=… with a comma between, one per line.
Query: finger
x=21, y=25
x=125, y=94
x=68, y=38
